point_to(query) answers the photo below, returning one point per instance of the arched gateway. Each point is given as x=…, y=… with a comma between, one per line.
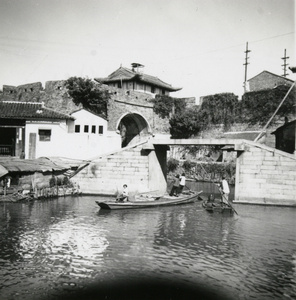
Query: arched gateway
x=132, y=127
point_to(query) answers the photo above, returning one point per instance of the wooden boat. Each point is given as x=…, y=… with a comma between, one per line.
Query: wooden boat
x=216, y=206
x=165, y=200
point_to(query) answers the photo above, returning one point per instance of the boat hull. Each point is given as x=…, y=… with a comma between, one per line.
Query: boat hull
x=162, y=201
x=217, y=207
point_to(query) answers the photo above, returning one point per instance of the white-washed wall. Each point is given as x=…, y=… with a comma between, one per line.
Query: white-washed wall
x=71, y=145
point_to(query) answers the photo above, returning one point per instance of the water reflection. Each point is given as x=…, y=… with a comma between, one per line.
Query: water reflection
x=50, y=248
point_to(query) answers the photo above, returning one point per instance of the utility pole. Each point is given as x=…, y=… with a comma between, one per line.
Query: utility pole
x=246, y=67
x=285, y=64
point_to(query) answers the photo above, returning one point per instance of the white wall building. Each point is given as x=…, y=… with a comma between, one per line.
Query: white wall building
x=36, y=131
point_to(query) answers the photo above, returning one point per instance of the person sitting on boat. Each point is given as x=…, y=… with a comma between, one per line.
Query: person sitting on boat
x=182, y=183
x=124, y=195
x=175, y=188
x=224, y=190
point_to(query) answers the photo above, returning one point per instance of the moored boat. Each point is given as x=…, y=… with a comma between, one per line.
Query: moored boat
x=165, y=200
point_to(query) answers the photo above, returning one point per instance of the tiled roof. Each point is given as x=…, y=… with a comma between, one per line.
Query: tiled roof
x=88, y=110
x=28, y=110
x=287, y=79
x=126, y=74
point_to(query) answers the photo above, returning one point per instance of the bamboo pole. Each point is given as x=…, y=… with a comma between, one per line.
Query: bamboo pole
x=267, y=124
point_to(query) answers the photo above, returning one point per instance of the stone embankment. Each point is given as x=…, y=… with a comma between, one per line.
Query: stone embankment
x=265, y=175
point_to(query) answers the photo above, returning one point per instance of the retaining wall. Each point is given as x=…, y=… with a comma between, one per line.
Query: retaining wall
x=265, y=175
x=137, y=166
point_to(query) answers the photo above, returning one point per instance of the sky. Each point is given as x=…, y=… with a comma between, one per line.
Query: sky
x=198, y=45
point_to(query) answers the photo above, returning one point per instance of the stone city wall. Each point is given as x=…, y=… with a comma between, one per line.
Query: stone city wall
x=56, y=97
x=31, y=92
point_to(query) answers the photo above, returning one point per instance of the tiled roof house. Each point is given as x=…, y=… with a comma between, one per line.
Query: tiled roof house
x=133, y=79
x=267, y=80
x=17, y=122
x=31, y=130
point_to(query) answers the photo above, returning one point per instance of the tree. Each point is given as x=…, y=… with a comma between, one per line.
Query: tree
x=185, y=125
x=215, y=109
x=88, y=93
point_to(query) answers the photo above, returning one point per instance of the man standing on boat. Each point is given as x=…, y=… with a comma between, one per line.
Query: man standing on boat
x=182, y=183
x=175, y=188
x=224, y=190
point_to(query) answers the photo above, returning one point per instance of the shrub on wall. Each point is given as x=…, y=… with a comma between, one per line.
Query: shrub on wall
x=213, y=171
x=163, y=105
x=219, y=109
x=187, y=165
x=215, y=109
x=172, y=164
x=255, y=108
x=259, y=106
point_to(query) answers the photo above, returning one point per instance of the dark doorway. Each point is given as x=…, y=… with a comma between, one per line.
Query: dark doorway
x=132, y=127
x=7, y=141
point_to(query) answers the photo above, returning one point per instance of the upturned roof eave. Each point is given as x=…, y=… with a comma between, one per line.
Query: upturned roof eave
x=113, y=80
x=125, y=74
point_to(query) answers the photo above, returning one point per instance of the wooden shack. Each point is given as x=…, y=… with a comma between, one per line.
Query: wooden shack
x=285, y=137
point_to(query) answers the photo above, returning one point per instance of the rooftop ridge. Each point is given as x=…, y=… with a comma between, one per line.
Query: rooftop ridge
x=23, y=102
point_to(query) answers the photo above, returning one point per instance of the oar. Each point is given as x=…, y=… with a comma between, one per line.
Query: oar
x=227, y=201
x=220, y=192
x=191, y=192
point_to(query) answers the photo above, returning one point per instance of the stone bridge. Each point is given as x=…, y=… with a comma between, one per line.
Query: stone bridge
x=264, y=175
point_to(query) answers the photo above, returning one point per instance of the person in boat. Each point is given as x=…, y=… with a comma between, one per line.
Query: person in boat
x=224, y=190
x=175, y=188
x=123, y=197
x=182, y=183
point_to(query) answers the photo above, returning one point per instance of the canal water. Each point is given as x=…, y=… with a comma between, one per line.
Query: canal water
x=68, y=248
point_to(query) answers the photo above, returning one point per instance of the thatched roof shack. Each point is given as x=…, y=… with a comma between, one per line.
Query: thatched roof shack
x=26, y=173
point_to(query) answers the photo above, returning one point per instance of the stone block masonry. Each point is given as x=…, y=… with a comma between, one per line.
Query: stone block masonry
x=131, y=165
x=265, y=175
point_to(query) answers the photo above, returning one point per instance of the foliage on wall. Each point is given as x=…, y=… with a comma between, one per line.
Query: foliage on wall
x=202, y=171
x=172, y=164
x=164, y=105
x=219, y=109
x=259, y=106
x=215, y=109
x=88, y=93
x=254, y=108
x=185, y=124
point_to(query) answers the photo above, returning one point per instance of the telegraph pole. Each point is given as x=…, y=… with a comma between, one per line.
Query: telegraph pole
x=285, y=64
x=246, y=67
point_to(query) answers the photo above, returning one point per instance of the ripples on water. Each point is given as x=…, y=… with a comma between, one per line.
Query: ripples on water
x=64, y=246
